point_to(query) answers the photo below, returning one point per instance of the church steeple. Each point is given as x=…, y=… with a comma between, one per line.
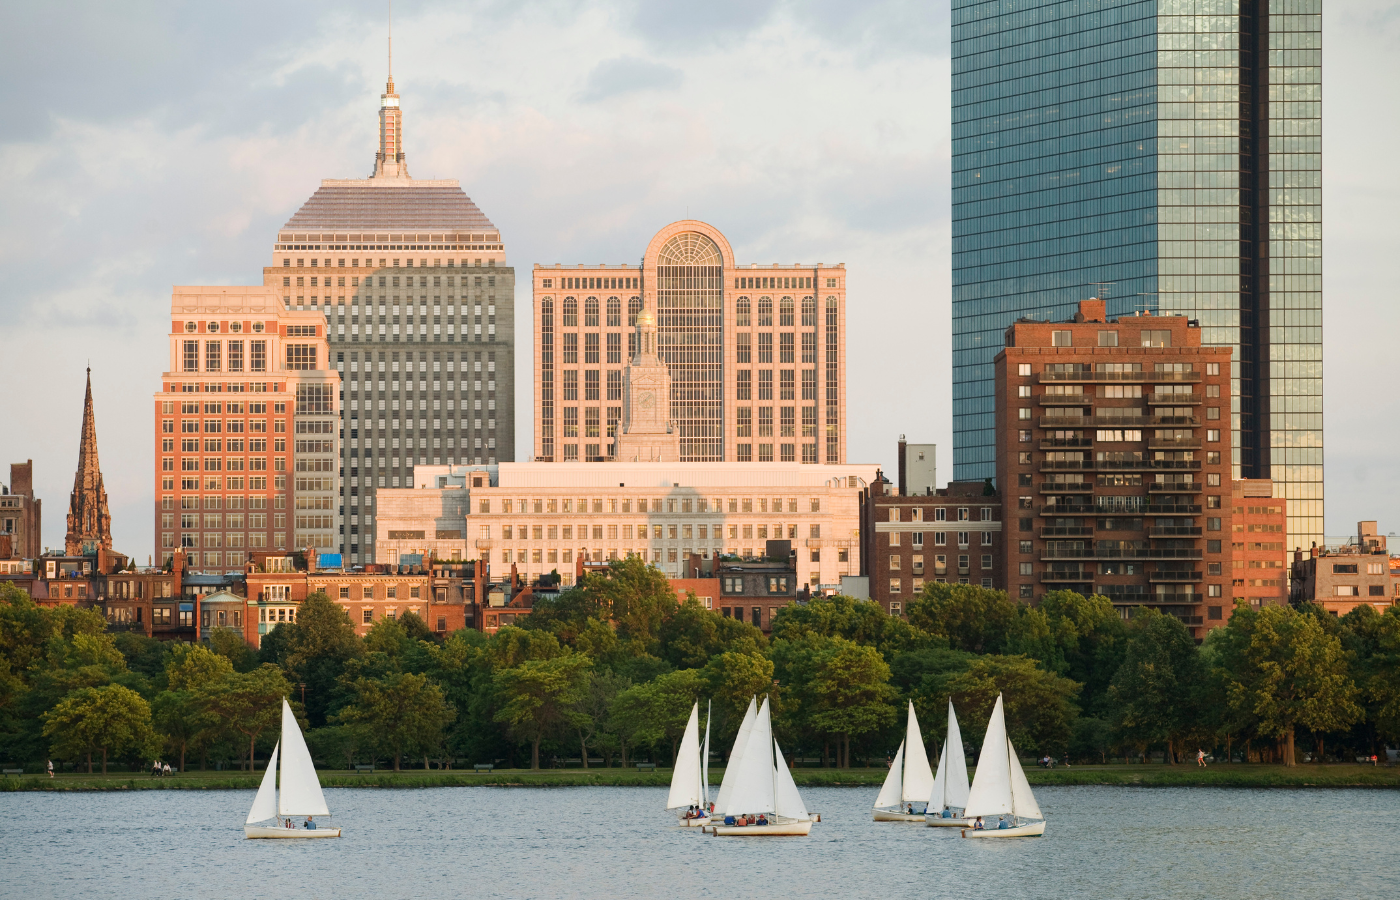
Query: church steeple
x=89, y=522
x=389, y=161
x=646, y=433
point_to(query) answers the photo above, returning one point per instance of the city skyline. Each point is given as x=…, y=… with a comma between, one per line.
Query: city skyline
x=196, y=209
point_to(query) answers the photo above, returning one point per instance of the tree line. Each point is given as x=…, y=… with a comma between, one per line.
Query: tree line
x=607, y=672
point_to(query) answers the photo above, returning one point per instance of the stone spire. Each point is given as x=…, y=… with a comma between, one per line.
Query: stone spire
x=89, y=522
x=390, y=162
x=646, y=433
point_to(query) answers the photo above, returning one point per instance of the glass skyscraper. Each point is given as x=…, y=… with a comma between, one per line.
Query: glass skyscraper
x=1165, y=155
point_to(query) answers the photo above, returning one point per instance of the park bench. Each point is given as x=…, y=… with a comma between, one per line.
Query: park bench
x=368, y=768
x=8, y=772
x=484, y=767
x=650, y=765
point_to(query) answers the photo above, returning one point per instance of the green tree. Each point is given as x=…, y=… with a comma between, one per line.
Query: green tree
x=972, y=618
x=656, y=713
x=863, y=621
x=1286, y=671
x=401, y=712
x=112, y=719
x=732, y=680
x=1383, y=671
x=636, y=597
x=693, y=634
x=25, y=627
x=851, y=694
x=191, y=666
x=540, y=696
x=1154, y=692
x=248, y=702
x=233, y=646
x=183, y=723
x=1039, y=705
x=591, y=713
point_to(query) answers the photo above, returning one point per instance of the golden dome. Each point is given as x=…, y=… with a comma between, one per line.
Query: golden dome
x=646, y=317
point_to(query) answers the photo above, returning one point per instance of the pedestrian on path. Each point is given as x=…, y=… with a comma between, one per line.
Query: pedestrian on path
x=1200, y=758
x=50, y=768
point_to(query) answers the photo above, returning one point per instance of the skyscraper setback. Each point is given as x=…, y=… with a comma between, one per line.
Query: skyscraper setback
x=419, y=305
x=1166, y=157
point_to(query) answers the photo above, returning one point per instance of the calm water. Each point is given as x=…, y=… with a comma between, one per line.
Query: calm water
x=616, y=843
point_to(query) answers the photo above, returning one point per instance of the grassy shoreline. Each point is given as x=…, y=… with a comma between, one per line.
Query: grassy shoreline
x=1152, y=775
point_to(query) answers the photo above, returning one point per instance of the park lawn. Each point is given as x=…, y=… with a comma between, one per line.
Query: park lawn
x=1150, y=775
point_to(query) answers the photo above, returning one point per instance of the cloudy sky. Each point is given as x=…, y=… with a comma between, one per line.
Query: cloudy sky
x=148, y=144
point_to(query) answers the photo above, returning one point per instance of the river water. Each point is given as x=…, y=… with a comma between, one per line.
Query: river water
x=617, y=843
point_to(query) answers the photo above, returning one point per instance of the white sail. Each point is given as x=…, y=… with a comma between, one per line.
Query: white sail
x=1022, y=800
x=787, y=802
x=991, y=785
x=685, y=776
x=754, y=777
x=955, y=779
x=918, y=777
x=705, y=757
x=890, y=791
x=936, y=796
x=301, y=789
x=265, y=803
x=741, y=740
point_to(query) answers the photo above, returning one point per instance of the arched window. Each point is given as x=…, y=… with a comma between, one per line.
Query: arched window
x=634, y=306
x=570, y=312
x=590, y=312
x=809, y=312
x=547, y=312
x=765, y=312
x=831, y=312
x=614, y=312
x=741, y=312
x=785, y=313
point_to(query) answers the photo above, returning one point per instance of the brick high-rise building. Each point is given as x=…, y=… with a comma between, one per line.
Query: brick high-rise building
x=246, y=430
x=1113, y=457
x=89, y=520
x=21, y=514
x=756, y=355
x=419, y=306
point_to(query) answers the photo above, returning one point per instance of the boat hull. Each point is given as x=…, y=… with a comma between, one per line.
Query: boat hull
x=782, y=829
x=940, y=822
x=701, y=822
x=1032, y=829
x=885, y=815
x=273, y=831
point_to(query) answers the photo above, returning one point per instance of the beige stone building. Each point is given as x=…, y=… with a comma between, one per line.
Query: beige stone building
x=756, y=354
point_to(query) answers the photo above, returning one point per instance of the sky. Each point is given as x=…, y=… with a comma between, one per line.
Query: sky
x=147, y=145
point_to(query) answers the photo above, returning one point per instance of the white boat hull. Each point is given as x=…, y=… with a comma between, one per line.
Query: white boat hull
x=1032, y=829
x=886, y=815
x=781, y=829
x=701, y=822
x=940, y=822
x=275, y=831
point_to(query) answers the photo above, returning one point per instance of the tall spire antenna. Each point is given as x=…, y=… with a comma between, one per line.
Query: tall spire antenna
x=391, y=41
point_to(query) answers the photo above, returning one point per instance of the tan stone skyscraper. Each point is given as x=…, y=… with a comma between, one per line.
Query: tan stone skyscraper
x=419, y=304
x=89, y=521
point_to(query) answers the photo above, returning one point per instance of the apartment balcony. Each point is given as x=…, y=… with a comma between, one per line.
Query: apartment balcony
x=1067, y=487
x=1174, y=576
x=1175, y=487
x=1171, y=531
x=1065, y=443
x=1175, y=421
x=1155, y=399
x=1174, y=553
x=1171, y=509
x=1064, y=509
x=1173, y=443
x=1058, y=422
x=1120, y=465
x=1070, y=576
x=1120, y=421
x=1120, y=377
x=1066, y=531
x=1066, y=399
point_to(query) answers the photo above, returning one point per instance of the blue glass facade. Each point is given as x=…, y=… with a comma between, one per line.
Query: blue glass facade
x=1164, y=155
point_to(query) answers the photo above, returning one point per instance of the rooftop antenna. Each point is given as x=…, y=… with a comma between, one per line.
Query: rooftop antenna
x=391, y=40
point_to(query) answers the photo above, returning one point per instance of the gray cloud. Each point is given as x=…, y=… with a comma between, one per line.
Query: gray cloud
x=628, y=75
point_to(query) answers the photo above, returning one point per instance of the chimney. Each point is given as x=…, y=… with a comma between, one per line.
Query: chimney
x=903, y=488
x=311, y=558
x=1093, y=310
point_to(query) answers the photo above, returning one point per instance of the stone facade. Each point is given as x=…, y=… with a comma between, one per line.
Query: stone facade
x=1343, y=578
x=89, y=520
x=21, y=515
x=1258, y=553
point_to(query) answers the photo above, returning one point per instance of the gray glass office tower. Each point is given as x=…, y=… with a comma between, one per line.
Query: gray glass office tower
x=1162, y=154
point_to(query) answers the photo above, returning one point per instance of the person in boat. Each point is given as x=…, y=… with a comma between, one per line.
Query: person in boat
x=762, y=819
x=947, y=813
x=978, y=825
x=309, y=824
x=1004, y=823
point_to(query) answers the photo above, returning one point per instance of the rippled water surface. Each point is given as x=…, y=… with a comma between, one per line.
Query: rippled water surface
x=616, y=843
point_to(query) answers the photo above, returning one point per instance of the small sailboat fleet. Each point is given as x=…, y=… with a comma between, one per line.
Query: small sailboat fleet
x=949, y=795
x=757, y=783
x=908, y=788
x=690, y=779
x=300, y=793
x=999, y=788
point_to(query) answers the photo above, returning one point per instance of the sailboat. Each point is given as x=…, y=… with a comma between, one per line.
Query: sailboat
x=741, y=740
x=762, y=784
x=301, y=789
x=949, y=795
x=999, y=788
x=910, y=781
x=688, y=788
